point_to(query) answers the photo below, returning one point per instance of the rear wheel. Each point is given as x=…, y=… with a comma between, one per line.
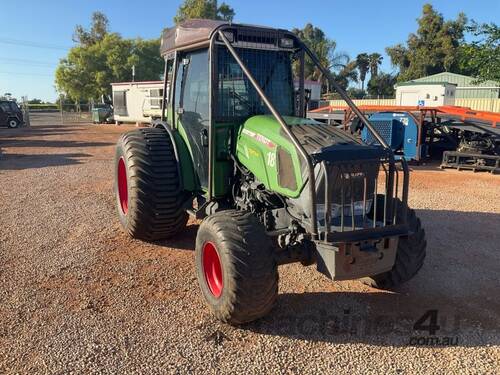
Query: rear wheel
x=410, y=254
x=147, y=187
x=235, y=266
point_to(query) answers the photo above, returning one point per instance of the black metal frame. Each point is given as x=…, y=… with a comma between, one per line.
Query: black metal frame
x=220, y=38
x=371, y=226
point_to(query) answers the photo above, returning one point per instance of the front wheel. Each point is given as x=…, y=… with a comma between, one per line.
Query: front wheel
x=13, y=123
x=235, y=266
x=410, y=253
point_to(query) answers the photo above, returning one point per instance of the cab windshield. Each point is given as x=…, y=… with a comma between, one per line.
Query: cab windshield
x=237, y=98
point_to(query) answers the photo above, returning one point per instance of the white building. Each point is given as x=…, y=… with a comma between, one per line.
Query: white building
x=136, y=101
x=313, y=86
x=425, y=94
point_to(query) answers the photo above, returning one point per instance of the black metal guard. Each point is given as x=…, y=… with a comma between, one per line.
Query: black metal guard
x=373, y=220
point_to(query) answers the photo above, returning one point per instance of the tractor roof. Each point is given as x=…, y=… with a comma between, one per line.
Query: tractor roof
x=197, y=32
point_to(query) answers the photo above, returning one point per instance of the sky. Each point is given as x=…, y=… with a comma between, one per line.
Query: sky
x=35, y=35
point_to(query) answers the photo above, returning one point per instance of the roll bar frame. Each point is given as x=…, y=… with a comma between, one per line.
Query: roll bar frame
x=303, y=50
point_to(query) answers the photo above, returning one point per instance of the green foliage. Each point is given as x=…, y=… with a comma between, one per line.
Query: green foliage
x=375, y=60
x=91, y=66
x=433, y=49
x=43, y=106
x=207, y=9
x=146, y=58
x=481, y=57
x=382, y=85
x=35, y=101
x=226, y=12
x=97, y=32
x=363, y=64
x=356, y=93
x=348, y=73
x=325, y=49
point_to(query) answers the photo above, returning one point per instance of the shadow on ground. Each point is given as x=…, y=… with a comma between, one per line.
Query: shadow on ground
x=186, y=240
x=374, y=318
x=50, y=143
x=459, y=280
x=28, y=161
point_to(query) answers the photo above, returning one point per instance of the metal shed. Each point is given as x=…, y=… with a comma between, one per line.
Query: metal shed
x=466, y=87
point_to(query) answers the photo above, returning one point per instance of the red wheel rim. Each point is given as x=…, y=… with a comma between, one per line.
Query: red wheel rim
x=122, y=186
x=212, y=269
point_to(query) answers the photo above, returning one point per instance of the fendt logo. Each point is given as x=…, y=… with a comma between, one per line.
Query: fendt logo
x=350, y=175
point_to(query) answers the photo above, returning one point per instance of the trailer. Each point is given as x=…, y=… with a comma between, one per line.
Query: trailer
x=138, y=102
x=466, y=139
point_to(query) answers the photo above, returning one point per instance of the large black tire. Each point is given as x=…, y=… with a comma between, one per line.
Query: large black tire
x=410, y=254
x=13, y=122
x=149, y=198
x=243, y=286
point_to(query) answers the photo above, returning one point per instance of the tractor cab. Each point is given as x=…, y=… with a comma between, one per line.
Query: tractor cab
x=10, y=114
x=211, y=97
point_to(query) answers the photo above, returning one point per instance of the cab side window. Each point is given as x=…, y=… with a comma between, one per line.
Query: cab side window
x=4, y=106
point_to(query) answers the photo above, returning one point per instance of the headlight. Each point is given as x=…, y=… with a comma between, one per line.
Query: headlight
x=286, y=43
x=336, y=209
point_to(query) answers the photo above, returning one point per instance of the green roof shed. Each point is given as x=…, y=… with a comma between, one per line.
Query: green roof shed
x=466, y=87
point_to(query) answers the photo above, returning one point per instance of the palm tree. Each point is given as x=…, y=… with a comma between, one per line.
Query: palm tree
x=325, y=50
x=331, y=59
x=375, y=60
x=347, y=74
x=363, y=64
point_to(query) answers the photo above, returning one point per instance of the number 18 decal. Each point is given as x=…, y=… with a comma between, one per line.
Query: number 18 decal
x=271, y=159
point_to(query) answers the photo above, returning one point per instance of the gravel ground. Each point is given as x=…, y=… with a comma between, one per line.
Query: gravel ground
x=79, y=296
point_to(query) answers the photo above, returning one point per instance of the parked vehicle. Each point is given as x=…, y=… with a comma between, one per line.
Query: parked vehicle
x=233, y=147
x=102, y=114
x=10, y=114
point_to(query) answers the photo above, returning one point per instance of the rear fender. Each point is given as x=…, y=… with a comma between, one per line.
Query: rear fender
x=184, y=161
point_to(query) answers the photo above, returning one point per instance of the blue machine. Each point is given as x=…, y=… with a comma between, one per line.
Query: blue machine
x=400, y=131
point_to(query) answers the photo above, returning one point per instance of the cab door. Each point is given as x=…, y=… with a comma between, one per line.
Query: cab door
x=192, y=108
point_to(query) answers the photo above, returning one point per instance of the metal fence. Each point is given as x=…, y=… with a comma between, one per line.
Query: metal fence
x=75, y=113
x=60, y=113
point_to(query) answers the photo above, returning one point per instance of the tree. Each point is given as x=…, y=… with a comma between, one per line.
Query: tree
x=226, y=12
x=382, y=85
x=347, y=74
x=324, y=49
x=375, y=60
x=95, y=62
x=433, y=49
x=207, y=9
x=97, y=32
x=146, y=58
x=35, y=101
x=356, y=93
x=481, y=57
x=363, y=64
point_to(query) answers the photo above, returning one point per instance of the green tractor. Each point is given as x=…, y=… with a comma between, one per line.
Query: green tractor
x=232, y=146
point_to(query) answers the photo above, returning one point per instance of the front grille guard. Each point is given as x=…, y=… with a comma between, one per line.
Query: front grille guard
x=386, y=221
